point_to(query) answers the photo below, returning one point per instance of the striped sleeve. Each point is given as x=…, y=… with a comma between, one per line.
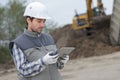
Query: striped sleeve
x=24, y=67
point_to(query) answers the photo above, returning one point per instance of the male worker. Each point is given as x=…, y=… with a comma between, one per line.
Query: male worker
x=35, y=53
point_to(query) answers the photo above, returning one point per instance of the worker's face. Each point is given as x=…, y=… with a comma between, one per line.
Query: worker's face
x=36, y=25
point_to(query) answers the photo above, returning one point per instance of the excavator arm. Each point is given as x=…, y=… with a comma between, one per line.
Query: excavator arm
x=89, y=9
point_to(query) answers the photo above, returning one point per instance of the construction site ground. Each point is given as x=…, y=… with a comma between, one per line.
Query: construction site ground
x=94, y=58
x=105, y=67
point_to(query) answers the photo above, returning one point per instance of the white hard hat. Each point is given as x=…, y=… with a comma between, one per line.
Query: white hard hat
x=37, y=10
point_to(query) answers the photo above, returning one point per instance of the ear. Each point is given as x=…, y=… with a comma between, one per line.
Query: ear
x=28, y=20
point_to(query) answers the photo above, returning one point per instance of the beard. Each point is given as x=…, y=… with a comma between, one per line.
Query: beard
x=35, y=31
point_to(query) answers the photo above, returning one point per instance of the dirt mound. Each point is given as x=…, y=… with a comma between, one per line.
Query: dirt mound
x=96, y=44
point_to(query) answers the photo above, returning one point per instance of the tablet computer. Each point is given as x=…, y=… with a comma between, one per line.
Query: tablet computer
x=65, y=50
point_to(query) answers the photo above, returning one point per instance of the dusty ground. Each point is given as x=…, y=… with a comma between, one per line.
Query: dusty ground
x=105, y=67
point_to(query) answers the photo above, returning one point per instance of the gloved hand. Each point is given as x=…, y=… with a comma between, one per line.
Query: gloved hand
x=50, y=58
x=64, y=59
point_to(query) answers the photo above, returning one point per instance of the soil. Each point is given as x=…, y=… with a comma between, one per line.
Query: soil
x=96, y=44
x=105, y=67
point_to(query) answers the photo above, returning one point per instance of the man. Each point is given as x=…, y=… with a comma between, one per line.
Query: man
x=35, y=53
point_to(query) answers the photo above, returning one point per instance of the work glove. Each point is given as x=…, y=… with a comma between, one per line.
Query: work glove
x=64, y=59
x=50, y=58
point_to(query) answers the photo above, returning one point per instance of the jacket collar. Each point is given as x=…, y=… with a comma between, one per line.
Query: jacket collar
x=32, y=34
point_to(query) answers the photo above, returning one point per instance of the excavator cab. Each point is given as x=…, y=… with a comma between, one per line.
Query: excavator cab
x=83, y=21
x=80, y=21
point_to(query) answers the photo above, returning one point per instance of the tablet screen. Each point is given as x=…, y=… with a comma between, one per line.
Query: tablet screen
x=65, y=50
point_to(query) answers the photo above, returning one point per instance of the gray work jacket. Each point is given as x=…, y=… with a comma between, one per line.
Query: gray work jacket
x=34, y=48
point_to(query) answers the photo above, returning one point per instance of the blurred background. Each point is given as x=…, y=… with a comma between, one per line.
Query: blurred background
x=63, y=11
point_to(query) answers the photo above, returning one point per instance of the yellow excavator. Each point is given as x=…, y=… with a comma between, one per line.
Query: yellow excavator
x=83, y=21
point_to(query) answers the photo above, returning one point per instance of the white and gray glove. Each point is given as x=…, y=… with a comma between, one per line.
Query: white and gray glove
x=50, y=58
x=64, y=59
